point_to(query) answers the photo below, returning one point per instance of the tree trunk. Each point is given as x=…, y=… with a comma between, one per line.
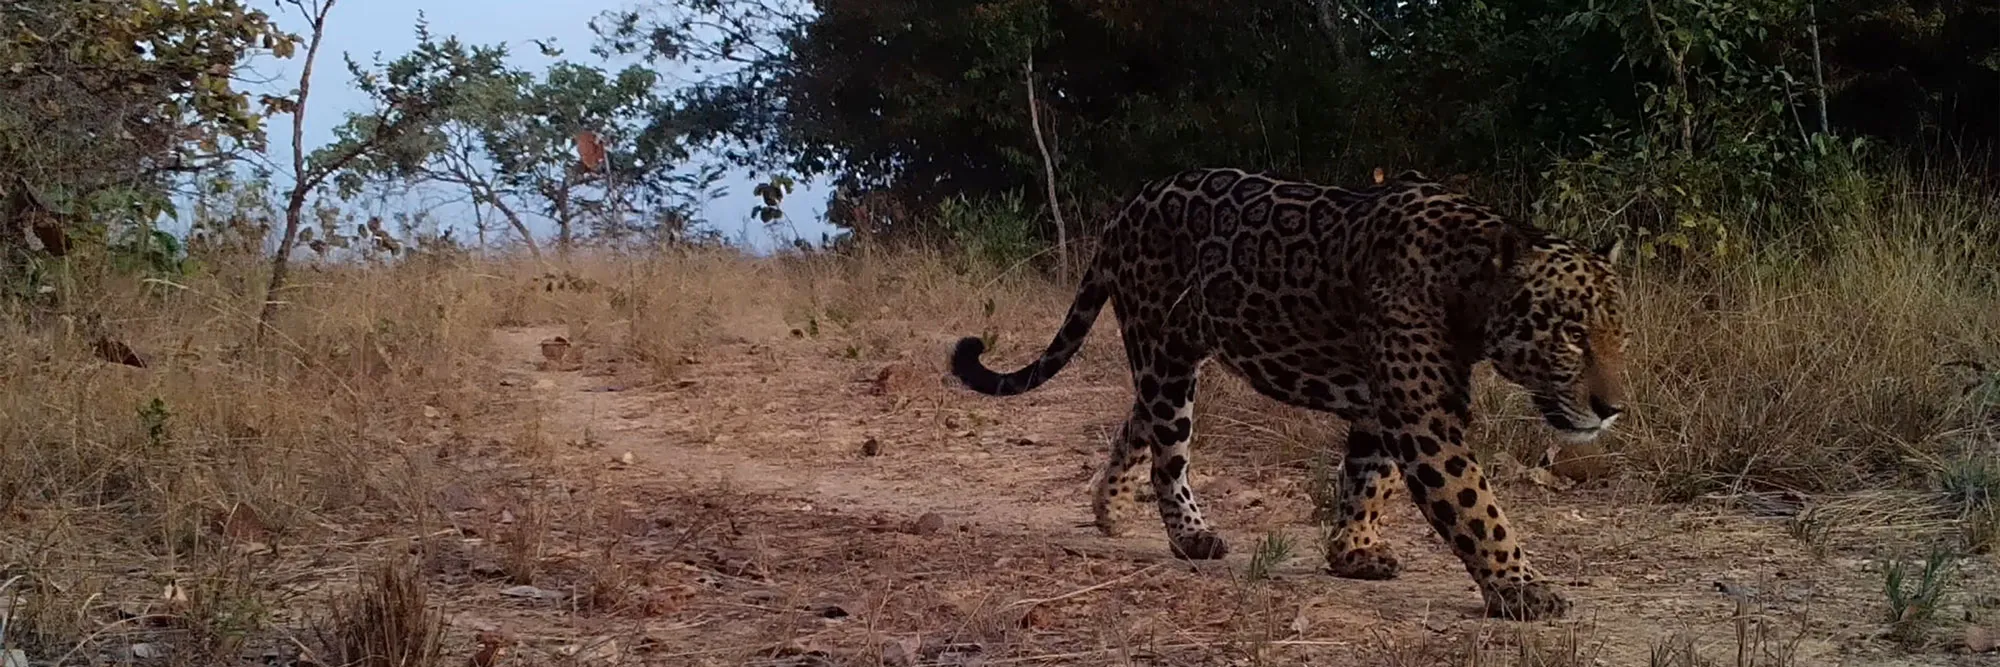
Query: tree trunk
x=1329, y=23
x=1049, y=170
x=1819, y=77
x=564, y=233
x=301, y=185
x=514, y=220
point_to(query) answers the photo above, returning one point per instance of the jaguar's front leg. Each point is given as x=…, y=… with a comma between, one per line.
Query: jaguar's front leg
x=1424, y=409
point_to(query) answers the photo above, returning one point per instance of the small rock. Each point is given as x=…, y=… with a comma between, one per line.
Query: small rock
x=1978, y=639
x=145, y=651
x=531, y=592
x=1583, y=462
x=475, y=623
x=1735, y=590
x=904, y=652
x=555, y=349
x=957, y=655
x=927, y=524
x=871, y=447
x=601, y=652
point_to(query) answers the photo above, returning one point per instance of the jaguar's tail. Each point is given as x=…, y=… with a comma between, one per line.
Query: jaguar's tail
x=1090, y=298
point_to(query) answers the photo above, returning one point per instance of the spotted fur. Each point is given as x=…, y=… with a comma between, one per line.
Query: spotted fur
x=1372, y=304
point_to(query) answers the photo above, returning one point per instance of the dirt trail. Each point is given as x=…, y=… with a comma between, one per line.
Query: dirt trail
x=788, y=419
x=779, y=421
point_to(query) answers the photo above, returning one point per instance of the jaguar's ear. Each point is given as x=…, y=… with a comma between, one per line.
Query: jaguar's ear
x=1612, y=251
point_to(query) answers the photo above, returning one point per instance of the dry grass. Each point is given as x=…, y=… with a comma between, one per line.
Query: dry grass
x=235, y=476
x=1818, y=378
x=118, y=481
x=388, y=621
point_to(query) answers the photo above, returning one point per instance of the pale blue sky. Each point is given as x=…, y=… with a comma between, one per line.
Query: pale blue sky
x=361, y=28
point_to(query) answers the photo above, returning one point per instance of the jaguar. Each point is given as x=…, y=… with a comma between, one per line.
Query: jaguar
x=1374, y=304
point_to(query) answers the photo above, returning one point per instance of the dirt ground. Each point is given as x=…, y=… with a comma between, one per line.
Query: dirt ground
x=780, y=501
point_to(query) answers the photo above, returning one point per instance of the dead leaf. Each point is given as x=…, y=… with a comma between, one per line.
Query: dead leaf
x=116, y=352
x=1542, y=477
x=893, y=379
x=240, y=522
x=492, y=646
x=1037, y=618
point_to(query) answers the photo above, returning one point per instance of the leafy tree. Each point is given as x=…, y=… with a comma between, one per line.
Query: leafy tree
x=512, y=141
x=1692, y=123
x=408, y=98
x=104, y=104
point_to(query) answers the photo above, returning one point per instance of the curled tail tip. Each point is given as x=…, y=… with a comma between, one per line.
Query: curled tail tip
x=965, y=358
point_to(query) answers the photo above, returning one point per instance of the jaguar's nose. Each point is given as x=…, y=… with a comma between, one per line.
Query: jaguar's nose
x=1605, y=410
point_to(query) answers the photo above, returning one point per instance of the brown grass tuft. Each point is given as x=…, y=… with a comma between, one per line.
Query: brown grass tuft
x=388, y=621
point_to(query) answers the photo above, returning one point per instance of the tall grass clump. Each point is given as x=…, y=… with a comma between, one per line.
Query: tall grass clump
x=1815, y=368
x=214, y=442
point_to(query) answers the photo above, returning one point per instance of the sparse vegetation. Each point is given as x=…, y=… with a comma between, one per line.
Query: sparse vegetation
x=1914, y=605
x=652, y=446
x=387, y=621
